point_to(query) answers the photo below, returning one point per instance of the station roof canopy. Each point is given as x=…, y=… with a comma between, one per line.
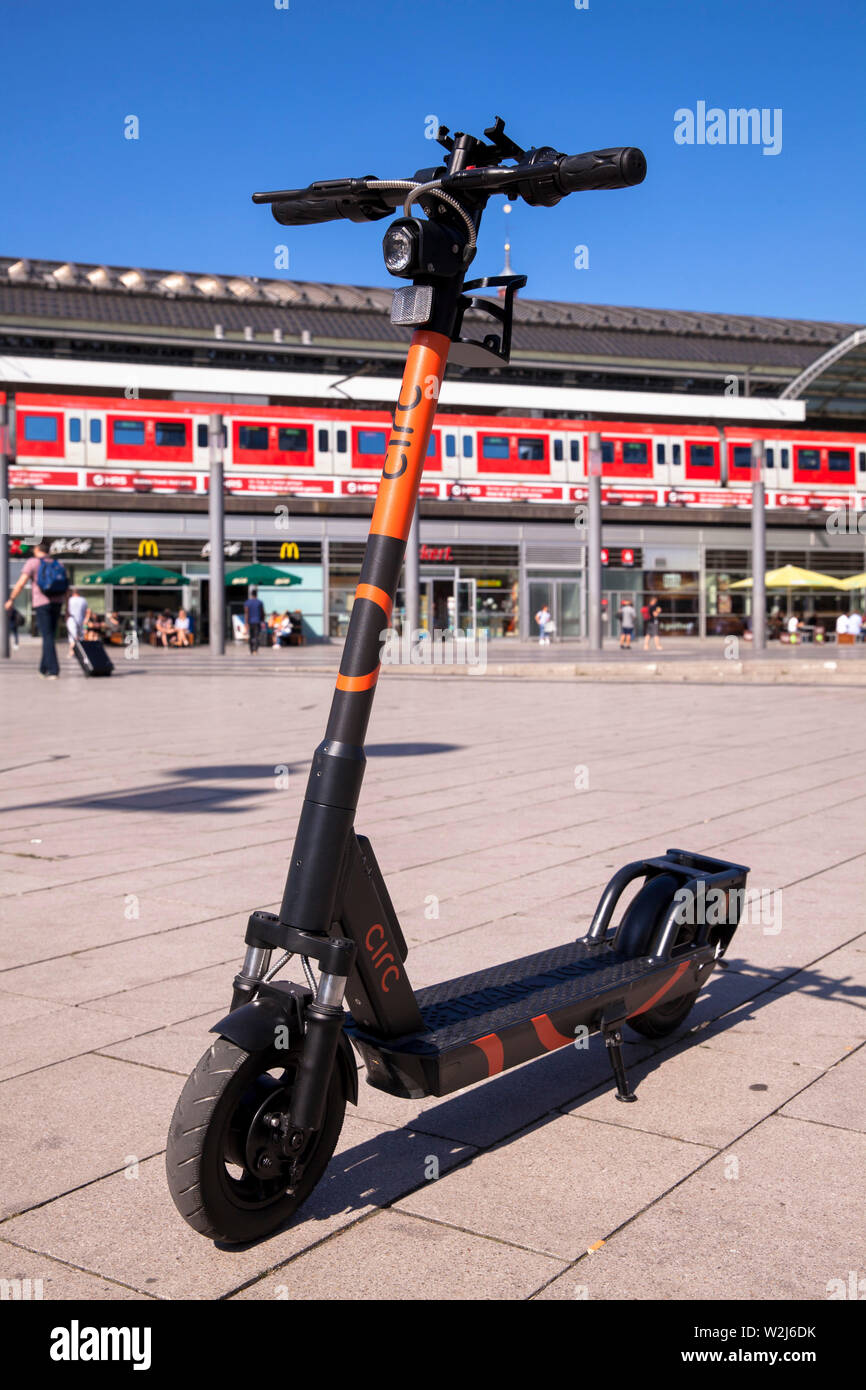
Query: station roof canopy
x=199, y=318
x=835, y=383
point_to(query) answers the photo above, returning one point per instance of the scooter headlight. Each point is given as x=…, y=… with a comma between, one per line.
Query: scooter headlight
x=399, y=245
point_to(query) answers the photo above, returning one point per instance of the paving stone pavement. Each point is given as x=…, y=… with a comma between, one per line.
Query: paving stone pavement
x=142, y=818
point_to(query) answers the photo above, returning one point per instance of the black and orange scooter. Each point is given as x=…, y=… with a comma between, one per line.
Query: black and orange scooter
x=259, y=1118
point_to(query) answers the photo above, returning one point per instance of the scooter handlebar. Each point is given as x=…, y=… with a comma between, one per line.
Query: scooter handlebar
x=328, y=201
x=615, y=168
x=552, y=178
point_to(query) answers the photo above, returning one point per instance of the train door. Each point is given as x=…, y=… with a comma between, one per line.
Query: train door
x=94, y=424
x=576, y=464
x=451, y=453
x=559, y=456
x=468, y=453
x=322, y=448
x=662, y=460
x=76, y=434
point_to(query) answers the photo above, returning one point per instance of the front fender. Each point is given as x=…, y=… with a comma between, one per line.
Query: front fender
x=253, y=1027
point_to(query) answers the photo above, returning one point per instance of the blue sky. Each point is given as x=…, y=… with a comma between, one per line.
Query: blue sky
x=237, y=95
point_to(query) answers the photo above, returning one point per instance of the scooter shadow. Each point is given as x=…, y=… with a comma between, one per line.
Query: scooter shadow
x=442, y=1135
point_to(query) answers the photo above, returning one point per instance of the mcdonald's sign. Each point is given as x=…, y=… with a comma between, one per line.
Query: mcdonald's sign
x=149, y=547
x=289, y=550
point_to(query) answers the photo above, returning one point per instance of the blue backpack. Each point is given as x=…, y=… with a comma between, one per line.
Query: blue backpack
x=52, y=578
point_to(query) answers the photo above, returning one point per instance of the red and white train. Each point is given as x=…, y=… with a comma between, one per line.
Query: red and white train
x=158, y=446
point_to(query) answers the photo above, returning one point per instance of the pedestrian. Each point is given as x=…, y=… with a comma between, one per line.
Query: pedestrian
x=651, y=627
x=181, y=627
x=842, y=625
x=254, y=616
x=627, y=617
x=855, y=624
x=542, y=618
x=49, y=584
x=77, y=614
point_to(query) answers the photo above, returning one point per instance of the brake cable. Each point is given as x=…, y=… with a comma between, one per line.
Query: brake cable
x=417, y=190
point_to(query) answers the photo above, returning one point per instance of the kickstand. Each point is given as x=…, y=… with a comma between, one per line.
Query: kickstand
x=613, y=1043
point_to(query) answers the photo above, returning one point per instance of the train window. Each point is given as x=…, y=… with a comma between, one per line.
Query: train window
x=785, y=457
x=74, y=431
x=252, y=436
x=635, y=451
x=701, y=455
x=292, y=440
x=742, y=456
x=371, y=441
x=96, y=431
x=607, y=451
x=861, y=462
x=171, y=436
x=342, y=440
x=677, y=453
x=558, y=451
x=40, y=428
x=574, y=450
x=201, y=436
x=771, y=458
x=660, y=453
x=808, y=458
x=495, y=446
x=530, y=449
x=128, y=432
x=839, y=460
x=323, y=441
x=467, y=446
x=450, y=446
x=431, y=447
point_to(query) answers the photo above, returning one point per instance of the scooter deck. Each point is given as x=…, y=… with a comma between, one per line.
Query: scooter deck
x=478, y=1025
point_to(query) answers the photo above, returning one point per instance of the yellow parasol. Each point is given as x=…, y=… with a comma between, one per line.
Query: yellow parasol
x=792, y=577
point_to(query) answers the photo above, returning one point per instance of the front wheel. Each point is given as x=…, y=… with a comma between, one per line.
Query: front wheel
x=223, y=1173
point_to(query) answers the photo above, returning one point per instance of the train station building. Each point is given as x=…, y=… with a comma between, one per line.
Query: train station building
x=98, y=349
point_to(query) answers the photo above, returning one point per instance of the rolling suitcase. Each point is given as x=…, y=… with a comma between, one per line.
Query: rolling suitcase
x=93, y=658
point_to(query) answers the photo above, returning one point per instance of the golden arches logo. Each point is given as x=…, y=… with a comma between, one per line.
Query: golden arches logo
x=147, y=548
x=289, y=550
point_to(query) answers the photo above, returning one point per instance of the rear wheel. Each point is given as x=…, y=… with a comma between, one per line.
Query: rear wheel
x=643, y=916
x=225, y=1173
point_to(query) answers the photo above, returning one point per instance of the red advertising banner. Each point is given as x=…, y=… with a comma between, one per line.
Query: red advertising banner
x=276, y=486
x=720, y=497
x=142, y=482
x=368, y=487
x=814, y=501
x=41, y=477
x=630, y=497
x=506, y=492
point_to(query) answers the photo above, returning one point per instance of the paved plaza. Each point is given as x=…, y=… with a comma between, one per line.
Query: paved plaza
x=143, y=817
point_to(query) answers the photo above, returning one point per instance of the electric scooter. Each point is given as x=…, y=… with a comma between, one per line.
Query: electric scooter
x=259, y=1118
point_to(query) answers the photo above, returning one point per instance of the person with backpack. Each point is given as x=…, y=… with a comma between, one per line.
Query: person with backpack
x=254, y=616
x=49, y=584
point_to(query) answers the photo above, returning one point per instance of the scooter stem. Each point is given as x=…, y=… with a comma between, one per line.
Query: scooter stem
x=334, y=784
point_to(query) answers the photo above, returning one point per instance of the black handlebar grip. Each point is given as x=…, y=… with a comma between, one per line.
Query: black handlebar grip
x=303, y=212
x=616, y=168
